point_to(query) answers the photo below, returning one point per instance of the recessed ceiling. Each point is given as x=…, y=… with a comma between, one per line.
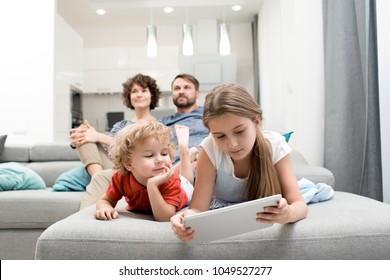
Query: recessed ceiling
x=120, y=13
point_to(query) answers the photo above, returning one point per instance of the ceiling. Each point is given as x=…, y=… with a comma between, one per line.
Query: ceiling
x=120, y=13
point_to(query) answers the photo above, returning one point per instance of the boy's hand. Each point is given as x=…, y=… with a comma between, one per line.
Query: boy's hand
x=162, y=177
x=107, y=213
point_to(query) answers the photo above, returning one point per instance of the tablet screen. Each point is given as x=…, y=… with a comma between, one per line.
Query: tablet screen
x=230, y=220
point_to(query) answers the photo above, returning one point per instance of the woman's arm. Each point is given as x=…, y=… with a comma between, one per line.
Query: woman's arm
x=86, y=133
x=292, y=207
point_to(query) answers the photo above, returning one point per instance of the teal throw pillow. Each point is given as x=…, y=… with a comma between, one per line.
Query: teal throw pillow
x=14, y=176
x=287, y=135
x=75, y=179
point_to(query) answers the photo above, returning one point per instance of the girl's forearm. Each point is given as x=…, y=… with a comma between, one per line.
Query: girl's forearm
x=298, y=210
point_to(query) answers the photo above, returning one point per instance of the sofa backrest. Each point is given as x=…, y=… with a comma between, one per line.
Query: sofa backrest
x=48, y=160
x=56, y=151
x=15, y=153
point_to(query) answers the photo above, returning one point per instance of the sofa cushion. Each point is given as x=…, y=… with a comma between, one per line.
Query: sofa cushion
x=49, y=171
x=36, y=208
x=14, y=176
x=347, y=227
x=316, y=174
x=56, y=151
x=15, y=153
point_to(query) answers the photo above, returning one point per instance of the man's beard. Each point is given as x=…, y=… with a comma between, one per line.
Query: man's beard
x=188, y=103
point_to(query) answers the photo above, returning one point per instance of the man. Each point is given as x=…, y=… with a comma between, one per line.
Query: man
x=187, y=121
x=185, y=94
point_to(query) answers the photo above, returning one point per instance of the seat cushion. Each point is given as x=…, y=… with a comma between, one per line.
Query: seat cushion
x=36, y=208
x=346, y=227
x=51, y=170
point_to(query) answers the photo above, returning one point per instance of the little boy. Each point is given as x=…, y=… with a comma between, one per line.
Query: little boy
x=146, y=178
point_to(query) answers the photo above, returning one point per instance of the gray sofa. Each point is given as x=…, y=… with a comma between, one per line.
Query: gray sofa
x=24, y=215
x=45, y=225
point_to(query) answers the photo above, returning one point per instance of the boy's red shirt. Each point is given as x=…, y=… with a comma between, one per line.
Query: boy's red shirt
x=137, y=197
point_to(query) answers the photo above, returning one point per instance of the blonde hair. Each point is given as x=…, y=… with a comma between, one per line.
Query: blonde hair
x=126, y=140
x=234, y=99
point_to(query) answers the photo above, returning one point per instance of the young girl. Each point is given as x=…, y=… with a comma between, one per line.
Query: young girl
x=239, y=162
x=143, y=153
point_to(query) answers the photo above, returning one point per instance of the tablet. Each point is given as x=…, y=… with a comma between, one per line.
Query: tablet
x=230, y=220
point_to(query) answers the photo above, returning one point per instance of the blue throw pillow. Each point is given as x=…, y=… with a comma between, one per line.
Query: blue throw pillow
x=75, y=179
x=14, y=176
x=287, y=135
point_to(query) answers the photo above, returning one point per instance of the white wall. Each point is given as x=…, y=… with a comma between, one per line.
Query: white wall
x=383, y=21
x=292, y=73
x=35, y=91
x=68, y=61
x=168, y=36
x=111, y=40
x=105, y=69
x=26, y=70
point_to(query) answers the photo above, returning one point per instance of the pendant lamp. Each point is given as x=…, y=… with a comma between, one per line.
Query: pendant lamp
x=151, y=41
x=151, y=45
x=224, y=41
x=188, y=44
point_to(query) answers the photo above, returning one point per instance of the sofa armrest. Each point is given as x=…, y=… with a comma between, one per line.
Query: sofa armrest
x=316, y=174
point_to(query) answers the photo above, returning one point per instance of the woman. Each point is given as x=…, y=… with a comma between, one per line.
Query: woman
x=141, y=94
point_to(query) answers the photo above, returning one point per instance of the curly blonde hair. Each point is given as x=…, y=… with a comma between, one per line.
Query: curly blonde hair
x=126, y=140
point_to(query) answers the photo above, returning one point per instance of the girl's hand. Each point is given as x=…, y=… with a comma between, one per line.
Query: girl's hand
x=281, y=214
x=181, y=232
x=107, y=213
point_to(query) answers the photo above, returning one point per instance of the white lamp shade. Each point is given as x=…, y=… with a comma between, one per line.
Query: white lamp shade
x=188, y=44
x=151, y=43
x=224, y=41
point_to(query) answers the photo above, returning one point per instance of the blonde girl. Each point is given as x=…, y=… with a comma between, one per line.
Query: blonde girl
x=239, y=162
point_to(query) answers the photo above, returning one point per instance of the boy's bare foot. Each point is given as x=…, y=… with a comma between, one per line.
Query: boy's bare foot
x=183, y=135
